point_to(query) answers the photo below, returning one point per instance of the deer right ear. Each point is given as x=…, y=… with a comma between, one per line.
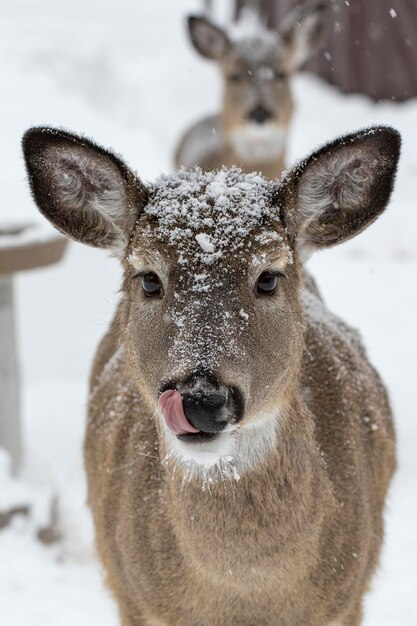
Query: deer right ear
x=302, y=32
x=209, y=40
x=85, y=191
x=340, y=189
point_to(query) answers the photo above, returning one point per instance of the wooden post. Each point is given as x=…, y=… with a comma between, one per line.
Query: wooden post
x=10, y=426
x=34, y=250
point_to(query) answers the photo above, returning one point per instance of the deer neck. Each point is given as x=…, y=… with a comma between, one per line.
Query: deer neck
x=255, y=148
x=208, y=509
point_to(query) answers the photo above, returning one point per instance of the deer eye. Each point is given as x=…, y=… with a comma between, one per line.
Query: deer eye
x=235, y=77
x=266, y=284
x=151, y=285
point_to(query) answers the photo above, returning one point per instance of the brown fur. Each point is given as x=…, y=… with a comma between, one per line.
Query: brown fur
x=294, y=540
x=256, y=70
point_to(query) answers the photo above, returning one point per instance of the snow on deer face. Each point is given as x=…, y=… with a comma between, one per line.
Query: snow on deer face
x=212, y=275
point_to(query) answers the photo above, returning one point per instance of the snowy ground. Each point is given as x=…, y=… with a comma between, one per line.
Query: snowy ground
x=123, y=73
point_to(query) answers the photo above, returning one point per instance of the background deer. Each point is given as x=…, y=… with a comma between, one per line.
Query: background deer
x=239, y=443
x=256, y=65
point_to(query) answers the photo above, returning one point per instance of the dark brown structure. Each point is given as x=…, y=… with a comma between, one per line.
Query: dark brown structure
x=370, y=45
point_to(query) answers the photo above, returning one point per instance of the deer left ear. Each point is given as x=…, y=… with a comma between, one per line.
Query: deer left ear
x=340, y=189
x=209, y=40
x=85, y=191
x=302, y=32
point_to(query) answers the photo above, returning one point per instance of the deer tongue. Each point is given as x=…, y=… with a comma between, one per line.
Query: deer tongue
x=170, y=404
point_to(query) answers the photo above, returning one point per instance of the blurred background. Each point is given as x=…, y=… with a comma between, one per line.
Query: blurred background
x=125, y=74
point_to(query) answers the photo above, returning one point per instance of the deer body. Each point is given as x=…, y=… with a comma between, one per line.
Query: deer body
x=256, y=66
x=252, y=491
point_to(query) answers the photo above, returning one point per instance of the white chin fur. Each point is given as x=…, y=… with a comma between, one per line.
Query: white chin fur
x=229, y=454
x=205, y=454
x=258, y=143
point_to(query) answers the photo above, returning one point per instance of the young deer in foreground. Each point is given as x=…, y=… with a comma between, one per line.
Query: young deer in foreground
x=256, y=65
x=239, y=443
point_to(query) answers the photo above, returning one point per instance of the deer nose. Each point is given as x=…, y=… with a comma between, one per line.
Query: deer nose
x=259, y=115
x=205, y=410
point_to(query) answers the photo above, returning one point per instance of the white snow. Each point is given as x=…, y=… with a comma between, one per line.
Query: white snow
x=229, y=203
x=204, y=241
x=13, y=493
x=95, y=67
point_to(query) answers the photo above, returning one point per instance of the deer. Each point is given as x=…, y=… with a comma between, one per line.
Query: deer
x=239, y=443
x=256, y=66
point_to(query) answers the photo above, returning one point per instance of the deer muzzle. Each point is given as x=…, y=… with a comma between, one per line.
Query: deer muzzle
x=193, y=412
x=199, y=407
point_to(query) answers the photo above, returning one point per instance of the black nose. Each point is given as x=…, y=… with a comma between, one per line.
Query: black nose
x=259, y=115
x=205, y=410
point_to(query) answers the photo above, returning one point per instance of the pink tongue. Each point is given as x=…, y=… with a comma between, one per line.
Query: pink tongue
x=170, y=403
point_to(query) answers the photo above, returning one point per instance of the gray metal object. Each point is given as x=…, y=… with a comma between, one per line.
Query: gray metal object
x=10, y=426
x=22, y=247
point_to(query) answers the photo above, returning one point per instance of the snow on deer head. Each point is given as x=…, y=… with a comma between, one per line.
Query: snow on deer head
x=212, y=317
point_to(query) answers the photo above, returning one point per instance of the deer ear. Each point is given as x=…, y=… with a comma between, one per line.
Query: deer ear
x=86, y=192
x=302, y=32
x=209, y=40
x=340, y=189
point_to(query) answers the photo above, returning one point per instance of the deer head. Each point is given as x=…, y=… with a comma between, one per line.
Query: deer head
x=212, y=319
x=256, y=66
